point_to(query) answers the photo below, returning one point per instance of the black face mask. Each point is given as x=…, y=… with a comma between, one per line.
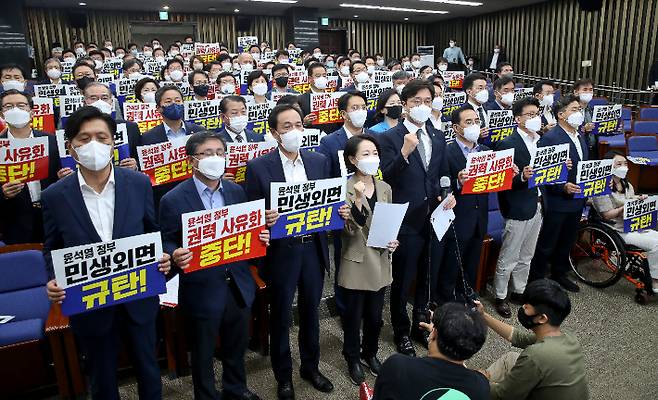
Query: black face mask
x=281, y=81
x=394, y=112
x=527, y=320
x=201, y=90
x=83, y=82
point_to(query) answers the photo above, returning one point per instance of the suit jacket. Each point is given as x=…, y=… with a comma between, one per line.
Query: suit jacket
x=266, y=169
x=519, y=203
x=20, y=220
x=251, y=136
x=157, y=134
x=134, y=136
x=67, y=223
x=304, y=101
x=203, y=293
x=472, y=210
x=410, y=181
x=363, y=267
x=555, y=198
x=492, y=105
x=331, y=144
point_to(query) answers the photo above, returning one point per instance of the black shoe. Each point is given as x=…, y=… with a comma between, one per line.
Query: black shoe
x=373, y=364
x=517, y=298
x=405, y=346
x=246, y=395
x=420, y=336
x=567, y=284
x=502, y=308
x=356, y=372
x=319, y=381
x=285, y=391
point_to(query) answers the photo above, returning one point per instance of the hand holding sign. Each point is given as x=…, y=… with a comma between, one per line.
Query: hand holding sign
x=11, y=189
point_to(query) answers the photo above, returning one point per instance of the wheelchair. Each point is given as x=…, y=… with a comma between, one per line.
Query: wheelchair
x=600, y=258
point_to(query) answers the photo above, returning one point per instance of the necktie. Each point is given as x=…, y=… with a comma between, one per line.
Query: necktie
x=238, y=138
x=421, y=148
x=483, y=118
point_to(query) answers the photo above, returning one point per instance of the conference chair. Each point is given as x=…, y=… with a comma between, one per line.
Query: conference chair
x=643, y=127
x=648, y=113
x=598, y=101
x=490, y=245
x=627, y=118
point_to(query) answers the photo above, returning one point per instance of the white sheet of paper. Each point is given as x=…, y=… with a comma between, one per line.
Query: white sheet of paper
x=386, y=222
x=6, y=318
x=170, y=298
x=441, y=220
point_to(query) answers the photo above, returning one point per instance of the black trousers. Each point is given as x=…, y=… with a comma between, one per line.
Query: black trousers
x=450, y=283
x=233, y=328
x=556, y=238
x=366, y=306
x=102, y=351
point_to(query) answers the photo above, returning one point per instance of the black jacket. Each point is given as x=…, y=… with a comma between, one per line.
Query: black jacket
x=520, y=202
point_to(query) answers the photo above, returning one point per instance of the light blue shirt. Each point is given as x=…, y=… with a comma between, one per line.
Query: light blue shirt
x=465, y=149
x=380, y=127
x=211, y=199
x=454, y=55
x=172, y=134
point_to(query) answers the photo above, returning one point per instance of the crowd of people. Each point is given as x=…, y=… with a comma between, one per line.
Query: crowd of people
x=394, y=149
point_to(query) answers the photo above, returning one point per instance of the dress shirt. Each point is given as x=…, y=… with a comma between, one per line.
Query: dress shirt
x=477, y=109
x=575, y=139
x=531, y=144
x=454, y=55
x=436, y=123
x=210, y=198
x=100, y=206
x=350, y=134
x=234, y=135
x=465, y=149
x=172, y=134
x=425, y=137
x=33, y=187
x=494, y=61
x=293, y=170
x=548, y=114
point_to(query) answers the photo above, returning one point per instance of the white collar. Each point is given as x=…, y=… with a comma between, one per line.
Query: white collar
x=83, y=183
x=286, y=160
x=349, y=133
x=411, y=127
x=525, y=135
x=11, y=136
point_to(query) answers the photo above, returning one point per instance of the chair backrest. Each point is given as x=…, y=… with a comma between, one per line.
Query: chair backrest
x=642, y=143
x=598, y=101
x=648, y=113
x=23, y=285
x=645, y=127
x=626, y=113
x=493, y=202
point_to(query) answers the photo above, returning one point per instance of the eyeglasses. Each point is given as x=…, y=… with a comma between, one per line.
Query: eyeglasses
x=417, y=101
x=21, y=106
x=357, y=108
x=210, y=153
x=105, y=98
x=530, y=115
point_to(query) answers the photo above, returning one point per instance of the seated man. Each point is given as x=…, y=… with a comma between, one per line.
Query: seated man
x=457, y=333
x=551, y=365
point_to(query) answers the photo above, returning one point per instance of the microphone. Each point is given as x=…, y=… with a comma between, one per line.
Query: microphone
x=446, y=189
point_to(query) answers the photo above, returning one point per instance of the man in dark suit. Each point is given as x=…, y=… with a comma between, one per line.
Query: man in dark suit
x=216, y=301
x=294, y=263
x=317, y=79
x=464, y=243
x=53, y=70
x=235, y=118
x=520, y=208
x=170, y=104
x=102, y=203
x=20, y=205
x=504, y=94
x=413, y=161
x=562, y=212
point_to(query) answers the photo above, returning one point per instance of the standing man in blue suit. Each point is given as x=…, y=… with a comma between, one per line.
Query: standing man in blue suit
x=102, y=203
x=504, y=94
x=20, y=203
x=413, y=160
x=471, y=211
x=296, y=263
x=562, y=212
x=170, y=105
x=216, y=301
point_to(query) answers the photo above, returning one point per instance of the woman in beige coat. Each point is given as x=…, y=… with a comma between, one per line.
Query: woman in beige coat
x=365, y=272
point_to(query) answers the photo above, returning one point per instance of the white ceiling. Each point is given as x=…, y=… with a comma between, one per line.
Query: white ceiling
x=328, y=8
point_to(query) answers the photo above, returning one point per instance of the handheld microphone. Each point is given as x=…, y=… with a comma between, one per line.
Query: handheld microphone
x=446, y=189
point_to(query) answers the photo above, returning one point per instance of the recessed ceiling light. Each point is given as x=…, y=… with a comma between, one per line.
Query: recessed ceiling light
x=406, y=18
x=236, y=10
x=165, y=7
x=456, y=2
x=385, y=8
x=356, y=16
x=212, y=9
x=275, y=1
x=82, y=3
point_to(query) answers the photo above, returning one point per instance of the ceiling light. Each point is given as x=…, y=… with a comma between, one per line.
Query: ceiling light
x=165, y=7
x=212, y=9
x=455, y=2
x=276, y=1
x=384, y=8
x=406, y=18
x=236, y=10
x=82, y=4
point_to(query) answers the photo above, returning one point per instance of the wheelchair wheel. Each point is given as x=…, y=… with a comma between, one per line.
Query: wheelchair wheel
x=598, y=258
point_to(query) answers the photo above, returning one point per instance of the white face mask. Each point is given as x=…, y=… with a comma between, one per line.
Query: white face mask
x=443, y=67
x=104, y=107
x=362, y=77
x=226, y=66
x=344, y=71
x=576, y=119
x=586, y=97
x=135, y=75
x=292, y=140
x=507, y=99
x=420, y=113
x=176, y=75
x=98, y=64
x=79, y=51
x=533, y=124
x=496, y=51
x=148, y=53
x=452, y=44
x=437, y=103
x=317, y=55
x=247, y=67
x=368, y=165
x=13, y=84
x=256, y=56
x=94, y=155
x=198, y=67
x=358, y=117
x=69, y=59
x=547, y=100
x=212, y=167
x=406, y=65
x=228, y=89
x=54, y=73
x=380, y=62
x=238, y=123
x=371, y=69
x=109, y=48
x=482, y=96
x=174, y=53
x=472, y=133
x=321, y=83
x=620, y=172
x=149, y=97
x=17, y=118
x=259, y=89
x=160, y=59
x=415, y=64
x=236, y=67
